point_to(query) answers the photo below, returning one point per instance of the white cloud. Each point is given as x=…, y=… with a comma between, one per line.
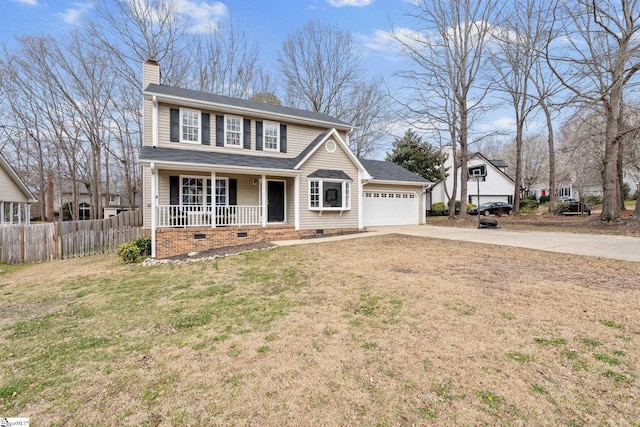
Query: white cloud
x=387, y=42
x=27, y=2
x=356, y=3
x=74, y=14
x=203, y=16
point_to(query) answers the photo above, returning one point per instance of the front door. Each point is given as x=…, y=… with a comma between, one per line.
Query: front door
x=275, y=201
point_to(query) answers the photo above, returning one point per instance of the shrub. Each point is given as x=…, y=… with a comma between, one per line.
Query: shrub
x=594, y=199
x=470, y=206
x=129, y=252
x=528, y=203
x=544, y=199
x=438, y=208
x=626, y=191
x=144, y=244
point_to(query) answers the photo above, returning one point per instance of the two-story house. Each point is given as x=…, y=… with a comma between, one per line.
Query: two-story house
x=220, y=171
x=497, y=186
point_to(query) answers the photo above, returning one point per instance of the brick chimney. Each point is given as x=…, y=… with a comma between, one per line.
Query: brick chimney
x=150, y=73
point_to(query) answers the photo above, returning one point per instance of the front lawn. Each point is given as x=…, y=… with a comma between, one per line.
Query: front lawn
x=387, y=331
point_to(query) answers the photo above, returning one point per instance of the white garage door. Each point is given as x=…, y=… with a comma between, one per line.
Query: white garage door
x=390, y=208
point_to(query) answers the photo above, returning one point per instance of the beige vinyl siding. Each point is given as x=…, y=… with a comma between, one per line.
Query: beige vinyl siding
x=419, y=190
x=9, y=191
x=338, y=160
x=298, y=136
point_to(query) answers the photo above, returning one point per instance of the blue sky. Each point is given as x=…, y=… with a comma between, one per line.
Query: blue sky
x=266, y=21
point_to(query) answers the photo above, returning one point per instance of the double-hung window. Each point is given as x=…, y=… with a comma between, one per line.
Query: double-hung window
x=272, y=136
x=233, y=131
x=193, y=191
x=329, y=195
x=190, y=125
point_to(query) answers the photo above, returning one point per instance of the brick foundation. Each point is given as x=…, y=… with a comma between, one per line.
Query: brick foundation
x=177, y=241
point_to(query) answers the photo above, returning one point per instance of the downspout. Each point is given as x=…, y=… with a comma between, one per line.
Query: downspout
x=154, y=122
x=154, y=207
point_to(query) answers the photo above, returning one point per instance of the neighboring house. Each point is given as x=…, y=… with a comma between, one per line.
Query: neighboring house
x=497, y=186
x=220, y=171
x=15, y=197
x=63, y=201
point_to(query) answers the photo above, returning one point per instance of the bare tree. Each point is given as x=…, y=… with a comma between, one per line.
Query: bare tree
x=134, y=31
x=520, y=40
x=322, y=72
x=227, y=62
x=448, y=50
x=598, y=65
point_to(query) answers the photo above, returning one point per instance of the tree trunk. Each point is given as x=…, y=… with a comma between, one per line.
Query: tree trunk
x=464, y=159
x=552, y=154
x=636, y=212
x=49, y=198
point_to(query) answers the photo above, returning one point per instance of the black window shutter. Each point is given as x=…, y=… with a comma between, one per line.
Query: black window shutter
x=174, y=190
x=246, y=140
x=258, y=135
x=233, y=192
x=283, y=138
x=206, y=140
x=219, y=131
x=174, y=124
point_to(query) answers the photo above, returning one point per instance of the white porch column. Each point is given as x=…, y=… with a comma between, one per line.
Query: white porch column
x=154, y=208
x=214, y=217
x=296, y=202
x=11, y=213
x=360, y=201
x=264, y=200
x=27, y=210
x=1, y=212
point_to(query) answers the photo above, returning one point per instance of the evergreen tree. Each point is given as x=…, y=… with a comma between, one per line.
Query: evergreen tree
x=413, y=154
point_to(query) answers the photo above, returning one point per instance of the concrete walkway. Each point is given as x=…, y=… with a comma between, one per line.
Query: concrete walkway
x=614, y=247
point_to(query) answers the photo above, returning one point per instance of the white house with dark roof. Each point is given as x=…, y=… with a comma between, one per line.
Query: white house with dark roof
x=15, y=197
x=497, y=186
x=221, y=171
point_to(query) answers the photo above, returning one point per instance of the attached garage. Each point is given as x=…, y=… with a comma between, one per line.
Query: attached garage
x=391, y=208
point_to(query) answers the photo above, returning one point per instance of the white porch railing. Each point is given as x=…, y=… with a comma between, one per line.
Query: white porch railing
x=206, y=216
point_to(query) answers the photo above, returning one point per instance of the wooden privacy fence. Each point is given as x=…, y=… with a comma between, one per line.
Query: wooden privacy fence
x=21, y=243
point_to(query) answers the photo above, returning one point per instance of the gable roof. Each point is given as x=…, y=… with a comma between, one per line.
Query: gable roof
x=242, y=105
x=16, y=179
x=382, y=170
x=496, y=167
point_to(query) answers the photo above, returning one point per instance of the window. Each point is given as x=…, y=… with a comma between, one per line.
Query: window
x=190, y=125
x=84, y=211
x=192, y=191
x=314, y=194
x=113, y=199
x=329, y=195
x=221, y=192
x=232, y=131
x=271, y=136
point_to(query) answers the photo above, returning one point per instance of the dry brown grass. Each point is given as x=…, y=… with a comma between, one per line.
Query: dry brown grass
x=389, y=330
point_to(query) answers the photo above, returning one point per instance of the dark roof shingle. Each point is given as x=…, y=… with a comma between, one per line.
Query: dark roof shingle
x=383, y=170
x=211, y=98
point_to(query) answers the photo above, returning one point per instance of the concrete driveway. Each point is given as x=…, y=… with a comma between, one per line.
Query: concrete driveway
x=614, y=247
